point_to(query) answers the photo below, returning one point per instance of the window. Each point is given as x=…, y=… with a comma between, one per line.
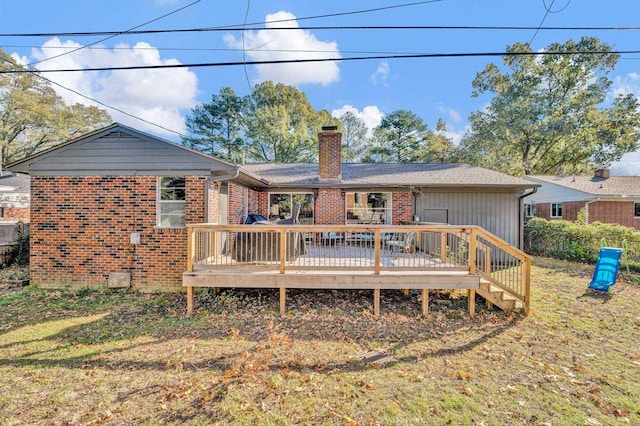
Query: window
x=556, y=209
x=529, y=210
x=281, y=206
x=368, y=207
x=171, y=196
x=636, y=209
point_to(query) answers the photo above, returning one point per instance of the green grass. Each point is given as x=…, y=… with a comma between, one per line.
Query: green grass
x=111, y=357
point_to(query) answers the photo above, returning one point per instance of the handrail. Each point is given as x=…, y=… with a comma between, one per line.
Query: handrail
x=441, y=247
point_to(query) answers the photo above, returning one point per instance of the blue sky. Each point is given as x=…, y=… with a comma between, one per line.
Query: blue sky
x=432, y=88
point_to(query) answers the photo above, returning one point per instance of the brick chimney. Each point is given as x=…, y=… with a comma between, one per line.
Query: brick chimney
x=330, y=154
x=602, y=173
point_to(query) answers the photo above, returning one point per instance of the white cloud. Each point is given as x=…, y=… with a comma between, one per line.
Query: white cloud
x=628, y=84
x=267, y=45
x=156, y=95
x=456, y=135
x=451, y=113
x=370, y=114
x=381, y=75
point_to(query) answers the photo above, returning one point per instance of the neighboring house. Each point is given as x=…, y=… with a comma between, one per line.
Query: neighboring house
x=604, y=198
x=14, y=196
x=111, y=206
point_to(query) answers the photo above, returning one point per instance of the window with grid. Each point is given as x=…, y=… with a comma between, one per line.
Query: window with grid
x=171, y=200
x=556, y=210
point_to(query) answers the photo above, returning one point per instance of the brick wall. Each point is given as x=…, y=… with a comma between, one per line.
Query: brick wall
x=330, y=155
x=329, y=207
x=620, y=212
x=569, y=210
x=81, y=228
x=16, y=213
x=402, y=207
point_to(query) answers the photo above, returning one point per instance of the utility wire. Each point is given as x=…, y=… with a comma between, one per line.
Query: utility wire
x=325, y=27
x=339, y=59
x=547, y=10
x=115, y=34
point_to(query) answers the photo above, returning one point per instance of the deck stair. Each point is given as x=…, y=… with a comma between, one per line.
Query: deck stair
x=494, y=295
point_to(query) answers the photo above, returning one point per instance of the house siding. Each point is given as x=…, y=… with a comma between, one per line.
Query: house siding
x=570, y=210
x=620, y=212
x=81, y=228
x=497, y=212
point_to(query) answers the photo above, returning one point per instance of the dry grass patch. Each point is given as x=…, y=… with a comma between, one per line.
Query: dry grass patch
x=102, y=357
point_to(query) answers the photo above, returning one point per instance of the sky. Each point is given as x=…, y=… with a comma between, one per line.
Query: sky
x=158, y=100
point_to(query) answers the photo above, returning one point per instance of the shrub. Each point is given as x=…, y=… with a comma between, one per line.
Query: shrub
x=21, y=246
x=566, y=240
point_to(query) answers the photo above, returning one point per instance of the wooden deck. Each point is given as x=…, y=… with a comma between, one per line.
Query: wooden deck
x=356, y=257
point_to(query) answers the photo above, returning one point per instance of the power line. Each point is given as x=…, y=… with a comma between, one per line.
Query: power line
x=115, y=35
x=324, y=27
x=340, y=59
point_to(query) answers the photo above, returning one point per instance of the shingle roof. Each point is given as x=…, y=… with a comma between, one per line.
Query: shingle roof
x=389, y=174
x=19, y=182
x=615, y=186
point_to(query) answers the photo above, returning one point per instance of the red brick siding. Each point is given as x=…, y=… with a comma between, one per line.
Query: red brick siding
x=402, y=207
x=81, y=227
x=569, y=210
x=329, y=155
x=16, y=213
x=620, y=212
x=236, y=204
x=329, y=207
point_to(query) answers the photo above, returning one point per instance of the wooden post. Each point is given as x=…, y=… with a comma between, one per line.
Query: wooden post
x=443, y=246
x=376, y=301
x=472, y=302
x=405, y=291
x=283, y=250
x=190, y=298
x=472, y=251
x=526, y=282
x=283, y=298
x=425, y=302
x=191, y=247
x=376, y=255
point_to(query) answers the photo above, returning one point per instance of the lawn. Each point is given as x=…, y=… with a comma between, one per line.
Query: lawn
x=116, y=357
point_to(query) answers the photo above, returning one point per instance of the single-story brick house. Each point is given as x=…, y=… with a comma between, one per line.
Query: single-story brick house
x=111, y=206
x=604, y=198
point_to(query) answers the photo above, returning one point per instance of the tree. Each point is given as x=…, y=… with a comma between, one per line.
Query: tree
x=438, y=147
x=282, y=125
x=354, y=136
x=548, y=113
x=33, y=117
x=216, y=128
x=399, y=137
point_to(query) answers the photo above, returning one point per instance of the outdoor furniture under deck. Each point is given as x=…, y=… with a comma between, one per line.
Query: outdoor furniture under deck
x=445, y=258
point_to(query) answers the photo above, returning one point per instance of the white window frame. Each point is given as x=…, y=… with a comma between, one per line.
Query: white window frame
x=553, y=210
x=160, y=203
x=529, y=210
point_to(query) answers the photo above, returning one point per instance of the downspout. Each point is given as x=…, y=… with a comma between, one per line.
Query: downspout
x=521, y=217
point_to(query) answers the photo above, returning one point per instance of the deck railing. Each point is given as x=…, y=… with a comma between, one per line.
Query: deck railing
x=372, y=248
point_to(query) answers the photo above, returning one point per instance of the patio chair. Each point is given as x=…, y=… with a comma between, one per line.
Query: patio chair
x=402, y=243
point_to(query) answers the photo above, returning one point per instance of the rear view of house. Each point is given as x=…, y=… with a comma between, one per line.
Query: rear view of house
x=111, y=207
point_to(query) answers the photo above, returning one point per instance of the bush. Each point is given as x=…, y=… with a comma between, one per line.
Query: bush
x=21, y=247
x=574, y=241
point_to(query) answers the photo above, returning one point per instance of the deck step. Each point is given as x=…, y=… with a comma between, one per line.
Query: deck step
x=496, y=296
